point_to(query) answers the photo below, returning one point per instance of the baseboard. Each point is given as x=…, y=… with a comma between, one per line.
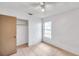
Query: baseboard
x=60, y=48
x=34, y=44
x=23, y=45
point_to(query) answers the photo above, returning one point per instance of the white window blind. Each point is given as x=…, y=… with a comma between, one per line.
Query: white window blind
x=47, y=29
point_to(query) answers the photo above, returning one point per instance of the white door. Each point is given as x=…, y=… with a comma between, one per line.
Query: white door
x=22, y=32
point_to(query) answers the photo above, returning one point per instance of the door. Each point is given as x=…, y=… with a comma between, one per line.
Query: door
x=22, y=32
x=8, y=40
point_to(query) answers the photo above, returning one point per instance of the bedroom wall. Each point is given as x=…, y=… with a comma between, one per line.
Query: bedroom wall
x=35, y=34
x=65, y=31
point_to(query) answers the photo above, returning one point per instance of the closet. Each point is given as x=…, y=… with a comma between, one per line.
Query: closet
x=7, y=35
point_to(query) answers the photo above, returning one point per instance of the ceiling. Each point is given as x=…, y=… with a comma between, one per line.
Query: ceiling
x=21, y=9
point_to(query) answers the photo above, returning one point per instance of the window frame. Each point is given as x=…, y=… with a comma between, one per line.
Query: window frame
x=50, y=30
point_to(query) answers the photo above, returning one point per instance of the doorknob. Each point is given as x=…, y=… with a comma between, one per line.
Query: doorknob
x=14, y=36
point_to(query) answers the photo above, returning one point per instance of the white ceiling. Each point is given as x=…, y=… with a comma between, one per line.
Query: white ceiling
x=21, y=9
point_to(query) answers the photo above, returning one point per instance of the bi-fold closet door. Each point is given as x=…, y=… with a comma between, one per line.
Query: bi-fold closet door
x=22, y=32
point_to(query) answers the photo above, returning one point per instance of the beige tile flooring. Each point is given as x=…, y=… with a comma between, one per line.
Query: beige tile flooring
x=41, y=49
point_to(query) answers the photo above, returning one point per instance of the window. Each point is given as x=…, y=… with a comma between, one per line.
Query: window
x=47, y=30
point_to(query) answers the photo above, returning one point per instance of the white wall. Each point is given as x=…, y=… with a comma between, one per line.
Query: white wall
x=21, y=32
x=18, y=14
x=65, y=31
x=34, y=31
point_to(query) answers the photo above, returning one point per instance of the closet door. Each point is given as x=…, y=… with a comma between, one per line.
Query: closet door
x=22, y=32
x=8, y=35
